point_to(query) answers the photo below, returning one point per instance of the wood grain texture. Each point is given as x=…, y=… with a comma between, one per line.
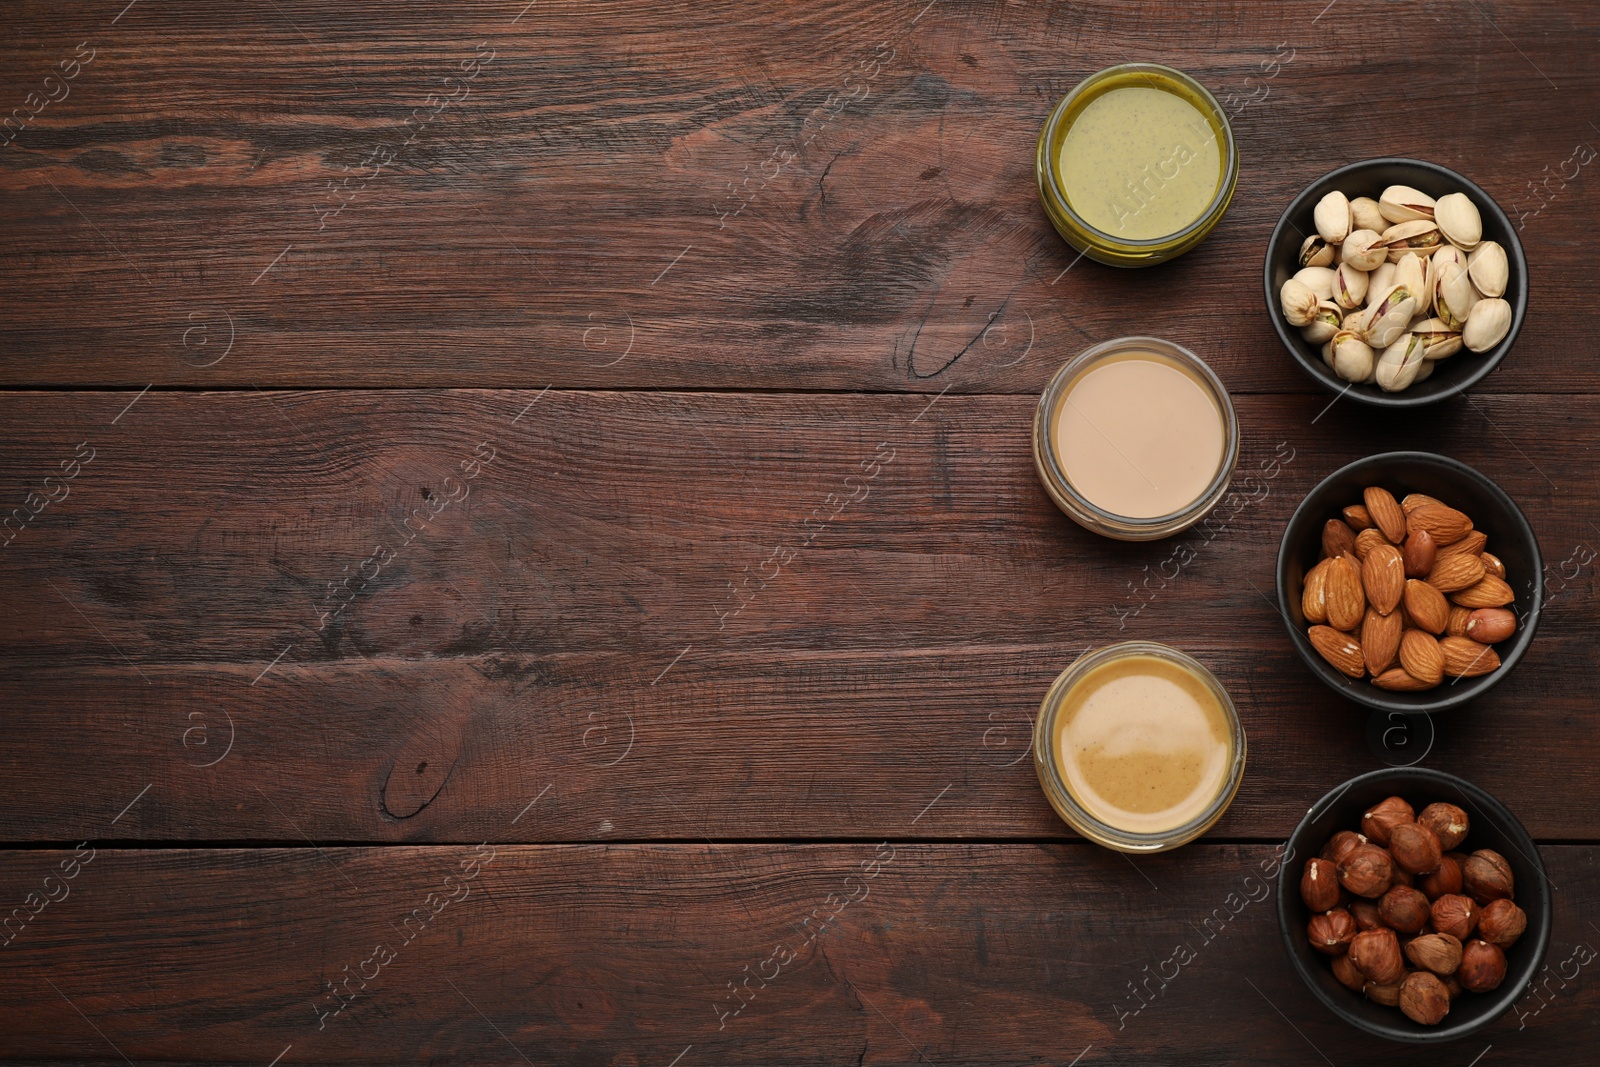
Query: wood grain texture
x=691, y=197
x=591, y=954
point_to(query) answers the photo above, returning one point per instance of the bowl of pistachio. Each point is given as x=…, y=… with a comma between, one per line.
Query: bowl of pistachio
x=1396, y=282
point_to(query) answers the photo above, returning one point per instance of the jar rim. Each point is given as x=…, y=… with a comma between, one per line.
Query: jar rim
x=1059, y=793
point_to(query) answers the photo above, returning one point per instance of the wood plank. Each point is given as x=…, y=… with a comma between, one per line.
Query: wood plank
x=699, y=199
x=568, y=604
x=948, y=953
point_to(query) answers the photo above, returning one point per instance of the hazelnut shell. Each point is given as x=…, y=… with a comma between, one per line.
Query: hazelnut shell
x=1376, y=954
x=1366, y=871
x=1383, y=817
x=1501, y=923
x=1319, y=885
x=1366, y=915
x=1448, y=822
x=1455, y=915
x=1439, y=953
x=1487, y=876
x=1447, y=879
x=1340, y=844
x=1483, y=966
x=1415, y=848
x=1346, y=973
x=1424, y=998
x=1331, y=932
x=1404, y=909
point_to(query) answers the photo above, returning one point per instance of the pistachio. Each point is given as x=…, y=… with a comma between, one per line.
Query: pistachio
x=1398, y=365
x=1449, y=253
x=1332, y=217
x=1327, y=352
x=1364, y=215
x=1353, y=358
x=1299, y=302
x=1459, y=220
x=1439, y=340
x=1424, y=370
x=1489, y=269
x=1418, y=235
x=1315, y=252
x=1401, y=203
x=1410, y=272
x=1487, y=325
x=1349, y=286
x=1454, y=296
x=1381, y=279
x=1390, y=316
x=1320, y=279
x=1324, y=324
x=1361, y=250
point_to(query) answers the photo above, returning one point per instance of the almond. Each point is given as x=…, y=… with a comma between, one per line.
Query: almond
x=1489, y=592
x=1346, y=602
x=1397, y=679
x=1380, y=640
x=1457, y=626
x=1456, y=572
x=1313, y=597
x=1492, y=564
x=1357, y=518
x=1383, y=576
x=1337, y=538
x=1447, y=525
x=1386, y=513
x=1421, y=657
x=1413, y=501
x=1418, y=553
x=1465, y=658
x=1367, y=540
x=1341, y=650
x=1426, y=606
x=1486, y=625
x=1471, y=544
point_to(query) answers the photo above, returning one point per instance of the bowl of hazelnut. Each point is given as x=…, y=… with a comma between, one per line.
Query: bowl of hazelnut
x=1410, y=582
x=1414, y=905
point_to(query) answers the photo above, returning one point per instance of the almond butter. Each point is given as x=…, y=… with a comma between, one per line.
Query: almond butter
x=1492, y=564
x=1357, y=518
x=1455, y=573
x=1426, y=606
x=1367, y=540
x=1489, y=592
x=1419, y=552
x=1466, y=658
x=1413, y=501
x=1421, y=657
x=1486, y=625
x=1445, y=524
x=1337, y=538
x=1398, y=680
x=1383, y=577
x=1339, y=649
x=1471, y=544
x=1346, y=602
x=1313, y=597
x=1386, y=513
x=1457, y=626
x=1380, y=640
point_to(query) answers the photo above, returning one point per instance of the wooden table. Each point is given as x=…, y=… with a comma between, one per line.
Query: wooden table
x=537, y=556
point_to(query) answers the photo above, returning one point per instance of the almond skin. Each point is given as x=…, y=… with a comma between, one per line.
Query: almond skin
x=1386, y=513
x=1413, y=501
x=1367, y=540
x=1399, y=681
x=1337, y=538
x=1313, y=598
x=1419, y=553
x=1489, y=592
x=1357, y=518
x=1466, y=658
x=1471, y=544
x=1492, y=564
x=1346, y=602
x=1380, y=640
x=1457, y=626
x=1383, y=576
x=1488, y=625
x=1426, y=606
x=1339, y=649
x=1446, y=525
x=1454, y=573
x=1421, y=657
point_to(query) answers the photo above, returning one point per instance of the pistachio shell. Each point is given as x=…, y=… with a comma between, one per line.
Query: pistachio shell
x=1320, y=279
x=1418, y=235
x=1454, y=297
x=1459, y=220
x=1409, y=272
x=1332, y=216
x=1449, y=253
x=1381, y=280
x=1487, y=325
x=1424, y=371
x=1488, y=267
x=1315, y=252
x=1364, y=215
x=1299, y=302
x=1360, y=250
x=1353, y=358
x=1401, y=203
x=1399, y=363
x=1439, y=340
x=1349, y=286
x=1324, y=324
x=1390, y=316
x=1327, y=353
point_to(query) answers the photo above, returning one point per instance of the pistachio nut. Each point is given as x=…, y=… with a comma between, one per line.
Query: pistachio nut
x=1439, y=341
x=1361, y=250
x=1399, y=363
x=1459, y=220
x=1488, y=267
x=1299, y=302
x=1349, y=286
x=1418, y=235
x=1401, y=203
x=1390, y=316
x=1364, y=215
x=1454, y=296
x=1315, y=252
x=1320, y=279
x=1353, y=358
x=1487, y=325
x=1324, y=324
x=1332, y=217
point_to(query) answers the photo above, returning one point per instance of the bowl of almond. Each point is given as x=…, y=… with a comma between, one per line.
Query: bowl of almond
x=1410, y=582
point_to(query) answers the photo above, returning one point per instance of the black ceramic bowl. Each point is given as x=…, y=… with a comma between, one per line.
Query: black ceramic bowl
x=1491, y=825
x=1461, y=487
x=1369, y=178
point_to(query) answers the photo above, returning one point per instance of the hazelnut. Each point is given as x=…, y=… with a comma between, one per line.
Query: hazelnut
x=1501, y=923
x=1455, y=915
x=1424, y=998
x=1454, y=986
x=1483, y=966
x=1404, y=909
x=1376, y=954
x=1331, y=932
x=1319, y=885
x=1340, y=844
x=1447, y=879
x=1439, y=953
x=1366, y=870
x=1398, y=875
x=1385, y=993
x=1415, y=848
x=1487, y=876
x=1383, y=817
x=1366, y=915
x=1347, y=974
x=1448, y=822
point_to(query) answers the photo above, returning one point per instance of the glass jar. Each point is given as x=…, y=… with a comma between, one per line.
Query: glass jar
x=1095, y=242
x=1054, y=782
x=1052, y=470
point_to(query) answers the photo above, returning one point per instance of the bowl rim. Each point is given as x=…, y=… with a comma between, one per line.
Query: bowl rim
x=1369, y=695
x=1509, y=991
x=1372, y=396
